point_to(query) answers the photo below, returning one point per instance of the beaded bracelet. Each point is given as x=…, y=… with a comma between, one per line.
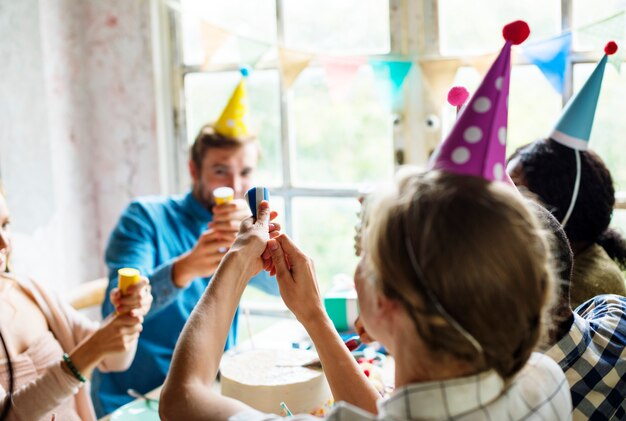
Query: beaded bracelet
x=73, y=368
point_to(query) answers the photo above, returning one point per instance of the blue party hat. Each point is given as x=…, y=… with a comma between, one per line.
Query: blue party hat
x=574, y=126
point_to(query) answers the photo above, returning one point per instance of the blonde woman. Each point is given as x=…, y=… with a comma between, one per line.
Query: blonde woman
x=454, y=281
x=53, y=348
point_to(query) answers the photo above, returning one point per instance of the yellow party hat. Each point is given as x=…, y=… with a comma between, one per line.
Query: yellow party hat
x=233, y=121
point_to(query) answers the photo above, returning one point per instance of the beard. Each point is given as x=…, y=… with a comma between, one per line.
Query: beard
x=203, y=195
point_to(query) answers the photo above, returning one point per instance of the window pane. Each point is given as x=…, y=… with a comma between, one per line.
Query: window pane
x=206, y=95
x=255, y=19
x=324, y=230
x=607, y=136
x=346, y=26
x=340, y=143
x=459, y=33
x=586, y=12
x=533, y=109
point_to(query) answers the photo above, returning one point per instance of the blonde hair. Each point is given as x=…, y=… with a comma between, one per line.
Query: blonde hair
x=482, y=255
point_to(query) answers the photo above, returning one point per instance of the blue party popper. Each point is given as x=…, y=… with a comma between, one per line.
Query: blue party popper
x=255, y=196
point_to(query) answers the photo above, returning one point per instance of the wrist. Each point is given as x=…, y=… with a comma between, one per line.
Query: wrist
x=181, y=273
x=86, y=356
x=241, y=259
x=314, y=318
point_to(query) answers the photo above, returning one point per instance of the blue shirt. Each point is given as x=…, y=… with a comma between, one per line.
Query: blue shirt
x=151, y=233
x=593, y=357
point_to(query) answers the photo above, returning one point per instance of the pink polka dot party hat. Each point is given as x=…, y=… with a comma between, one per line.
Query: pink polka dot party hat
x=477, y=143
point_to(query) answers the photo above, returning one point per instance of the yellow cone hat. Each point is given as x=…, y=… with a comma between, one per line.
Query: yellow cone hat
x=233, y=121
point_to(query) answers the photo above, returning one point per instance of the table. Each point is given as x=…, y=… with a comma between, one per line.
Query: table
x=280, y=335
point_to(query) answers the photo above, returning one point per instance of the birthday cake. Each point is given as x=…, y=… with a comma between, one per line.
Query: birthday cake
x=265, y=378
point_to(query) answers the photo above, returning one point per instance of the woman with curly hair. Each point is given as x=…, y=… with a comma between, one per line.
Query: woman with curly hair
x=548, y=169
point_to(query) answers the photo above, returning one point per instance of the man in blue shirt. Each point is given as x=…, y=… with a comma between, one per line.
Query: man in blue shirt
x=178, y=242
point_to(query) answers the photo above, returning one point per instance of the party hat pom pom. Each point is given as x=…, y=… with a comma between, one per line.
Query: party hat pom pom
x=245, y=71
x=516, y=32
x=457, y=96
x=610, y=48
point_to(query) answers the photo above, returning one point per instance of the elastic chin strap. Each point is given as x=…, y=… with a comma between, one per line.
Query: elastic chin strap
x=576, y=189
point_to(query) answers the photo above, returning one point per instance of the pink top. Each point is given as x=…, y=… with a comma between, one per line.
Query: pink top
x=41, y=356
x=43, y=387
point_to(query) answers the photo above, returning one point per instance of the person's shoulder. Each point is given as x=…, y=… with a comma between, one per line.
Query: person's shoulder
x=542, y=382
x=153, y=204
x=607, y=307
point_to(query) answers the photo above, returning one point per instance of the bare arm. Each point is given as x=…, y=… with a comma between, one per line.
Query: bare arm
x=187, y=392
x=298, y=287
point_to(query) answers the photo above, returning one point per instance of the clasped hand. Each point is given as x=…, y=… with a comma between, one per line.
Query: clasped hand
x=277, y=254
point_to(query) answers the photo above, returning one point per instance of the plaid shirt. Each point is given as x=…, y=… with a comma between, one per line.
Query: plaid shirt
x=538, y=392
x=593, y=357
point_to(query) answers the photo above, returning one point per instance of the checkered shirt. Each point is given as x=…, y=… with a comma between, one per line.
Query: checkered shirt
x=593, y=357
x=538, y=392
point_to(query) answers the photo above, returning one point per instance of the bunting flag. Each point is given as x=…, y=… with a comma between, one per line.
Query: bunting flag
x=213, y=38
x=438, y=76
x=292, y=63
x=391, y=76
x=251, y=51
x=340, y=75
x=550, y=56
x=596, y=34
x=480, y=63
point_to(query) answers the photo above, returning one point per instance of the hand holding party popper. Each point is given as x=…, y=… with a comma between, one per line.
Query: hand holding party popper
x=255, y=196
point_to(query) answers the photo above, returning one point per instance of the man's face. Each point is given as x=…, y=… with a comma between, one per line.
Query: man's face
x=224, y=167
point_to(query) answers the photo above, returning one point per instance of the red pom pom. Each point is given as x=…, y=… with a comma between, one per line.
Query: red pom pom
x=457, y=96
x=516, y=32
x=610, y=48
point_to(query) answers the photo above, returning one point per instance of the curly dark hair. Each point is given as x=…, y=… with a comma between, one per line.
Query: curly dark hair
x=549, y=170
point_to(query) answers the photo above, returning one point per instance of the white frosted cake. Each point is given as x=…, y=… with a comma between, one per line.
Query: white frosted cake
x=265, y=378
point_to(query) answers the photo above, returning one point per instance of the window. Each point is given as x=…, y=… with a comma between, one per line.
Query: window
x=317, y=152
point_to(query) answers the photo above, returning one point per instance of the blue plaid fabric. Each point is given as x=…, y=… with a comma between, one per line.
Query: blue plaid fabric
x=593, y=357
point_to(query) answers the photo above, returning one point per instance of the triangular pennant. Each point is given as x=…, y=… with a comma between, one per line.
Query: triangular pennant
x=613, y=27
x=340, y=74
x=212, y=38
x=292, y=63
x=550, y=56
x=438, y=76
x=480, y=63
x=251, y=51
x=391, y=75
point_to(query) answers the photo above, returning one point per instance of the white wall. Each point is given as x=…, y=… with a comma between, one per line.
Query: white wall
x=77, y=128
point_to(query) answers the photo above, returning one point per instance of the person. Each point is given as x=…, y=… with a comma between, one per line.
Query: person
x=547, y=169
x=459, y=312
x=178, y=242
x=589, y=344
x=52, y=348
x=575, y=185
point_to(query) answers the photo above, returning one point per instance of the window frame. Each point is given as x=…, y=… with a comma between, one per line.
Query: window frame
x=414, y=31
x=178, y=70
